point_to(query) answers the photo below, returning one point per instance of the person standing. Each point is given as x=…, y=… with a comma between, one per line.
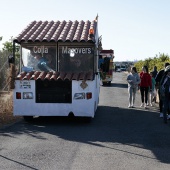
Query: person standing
x=154, y=72
x=158, y=80
x=165, y=93
x=152, y=91
x=145, y=85
x=133, y=80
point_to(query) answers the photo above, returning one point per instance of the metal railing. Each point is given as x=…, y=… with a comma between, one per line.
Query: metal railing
x=3, y=65
x=6, y=84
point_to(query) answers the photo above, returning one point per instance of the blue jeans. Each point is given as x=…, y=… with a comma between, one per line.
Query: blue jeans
x=132, y=94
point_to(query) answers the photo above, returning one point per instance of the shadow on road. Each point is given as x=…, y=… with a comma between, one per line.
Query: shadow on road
x=119, y=85
x=113, y=125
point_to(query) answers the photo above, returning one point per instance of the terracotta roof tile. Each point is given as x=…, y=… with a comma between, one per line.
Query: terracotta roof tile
x=68, y=76
x=72, y=31
x=35, y=75
x=48, y=76
x=42, y=75
x=58, y=31
x=21, y=76
x=28, y=76
x=50, y=31
x=85, y=31
x=90, y=76
x=75, y=76
x=82, y=76
x=56, y=76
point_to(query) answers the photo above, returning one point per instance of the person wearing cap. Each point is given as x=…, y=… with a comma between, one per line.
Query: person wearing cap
x=158, y=80
x=165, y=93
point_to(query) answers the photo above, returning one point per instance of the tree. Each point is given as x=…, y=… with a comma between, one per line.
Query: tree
x=158, y=61
x=7, y=50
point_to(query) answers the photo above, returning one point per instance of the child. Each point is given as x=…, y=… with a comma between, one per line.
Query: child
x=152, y=91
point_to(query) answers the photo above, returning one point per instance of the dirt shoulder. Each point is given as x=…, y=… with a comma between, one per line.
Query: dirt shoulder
x=8, y=119
x=6, y=110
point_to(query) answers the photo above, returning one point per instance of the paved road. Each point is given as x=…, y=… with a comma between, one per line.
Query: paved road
x=117, y=139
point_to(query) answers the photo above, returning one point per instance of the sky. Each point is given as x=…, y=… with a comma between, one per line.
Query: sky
x=134, y=29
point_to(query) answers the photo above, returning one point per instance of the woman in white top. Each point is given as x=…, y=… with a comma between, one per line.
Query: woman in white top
x=133, y=80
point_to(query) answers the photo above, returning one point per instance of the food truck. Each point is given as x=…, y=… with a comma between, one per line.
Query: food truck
x=59, y=74
x=106, y=65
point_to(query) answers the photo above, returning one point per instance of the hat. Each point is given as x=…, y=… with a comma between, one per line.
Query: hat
x=167, y=69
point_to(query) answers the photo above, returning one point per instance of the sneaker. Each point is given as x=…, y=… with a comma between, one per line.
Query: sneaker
x=145, y=106
x=161, y=115
x=142, y=105
x=151, y=104
x=132, y=106
x=129, y=106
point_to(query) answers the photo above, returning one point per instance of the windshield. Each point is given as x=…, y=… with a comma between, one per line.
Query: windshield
x=38, y=58
x=76, y=59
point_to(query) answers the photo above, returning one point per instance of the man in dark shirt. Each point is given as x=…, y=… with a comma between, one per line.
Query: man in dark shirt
x=158, y=80
x=154, y=72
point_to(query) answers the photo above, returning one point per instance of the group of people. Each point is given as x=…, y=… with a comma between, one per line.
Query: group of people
x=149, y=83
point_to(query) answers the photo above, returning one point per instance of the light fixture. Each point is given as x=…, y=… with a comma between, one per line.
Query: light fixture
x=27, y=95
x=91, y=32
x=79, y=96
x=72, y=52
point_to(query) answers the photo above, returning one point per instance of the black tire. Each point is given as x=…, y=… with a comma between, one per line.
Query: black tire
x=28, y=118
x=87, y=119
x=104, y=83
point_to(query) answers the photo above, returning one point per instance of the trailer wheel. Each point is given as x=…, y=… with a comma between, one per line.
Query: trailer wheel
x=87, y=119
x=109, y=83
x=28, y=118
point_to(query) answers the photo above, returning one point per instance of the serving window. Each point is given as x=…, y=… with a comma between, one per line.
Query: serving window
x=76, y=59
x=38, y=58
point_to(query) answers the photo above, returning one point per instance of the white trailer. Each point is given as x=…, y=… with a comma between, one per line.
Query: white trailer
x=59, y=74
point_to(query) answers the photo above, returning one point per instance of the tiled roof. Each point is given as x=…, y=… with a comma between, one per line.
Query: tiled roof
x=38, y=75
x=51, y=31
